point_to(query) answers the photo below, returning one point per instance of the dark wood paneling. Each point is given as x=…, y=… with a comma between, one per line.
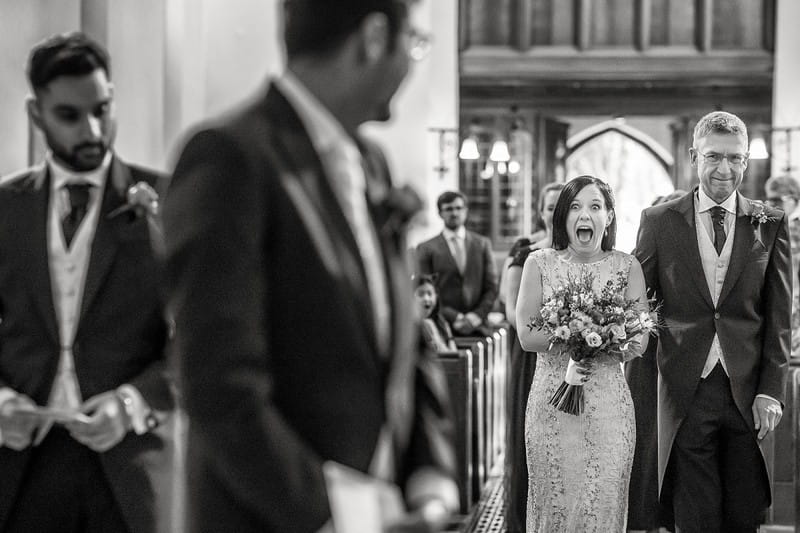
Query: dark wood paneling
x=747, y=67
x=490, y=22
x=737, y=24
x=553, y=22
x=612, y=23
x=643, y=15
x=704, y=24
x=672, y=22
x=523, y=25
x=583, y=24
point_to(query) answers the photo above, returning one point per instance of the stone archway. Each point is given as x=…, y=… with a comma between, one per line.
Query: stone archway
x=635, y=166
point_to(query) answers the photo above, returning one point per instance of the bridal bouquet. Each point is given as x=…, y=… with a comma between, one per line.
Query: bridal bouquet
x=585, y=324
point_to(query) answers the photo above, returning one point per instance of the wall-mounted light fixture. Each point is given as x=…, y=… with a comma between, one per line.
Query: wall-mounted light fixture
x=758, y=146
x=499, y=160
x=469, y=149
x=499, y=153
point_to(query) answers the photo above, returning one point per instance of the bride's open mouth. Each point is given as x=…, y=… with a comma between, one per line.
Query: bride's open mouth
x=584, y=234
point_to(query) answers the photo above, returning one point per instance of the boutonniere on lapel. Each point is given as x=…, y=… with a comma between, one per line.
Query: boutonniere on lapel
x=140, y=200
x=760, y=213
x=397, y=208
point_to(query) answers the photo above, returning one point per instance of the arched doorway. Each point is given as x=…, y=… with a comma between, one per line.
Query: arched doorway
x=635, y=166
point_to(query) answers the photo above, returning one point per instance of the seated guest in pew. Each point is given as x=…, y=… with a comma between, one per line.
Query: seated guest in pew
x=435, y=329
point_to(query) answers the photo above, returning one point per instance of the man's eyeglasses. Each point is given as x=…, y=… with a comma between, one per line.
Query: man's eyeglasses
x=713, y=158
x=418, y=44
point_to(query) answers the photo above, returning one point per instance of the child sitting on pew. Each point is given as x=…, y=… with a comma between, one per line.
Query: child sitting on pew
x=435, y=329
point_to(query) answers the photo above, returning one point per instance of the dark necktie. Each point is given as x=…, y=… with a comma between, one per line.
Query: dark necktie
x=78, y=203
x=718, y=223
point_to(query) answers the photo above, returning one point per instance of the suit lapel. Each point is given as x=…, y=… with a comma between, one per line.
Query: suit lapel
x=743, y=240
x=105, y=244
x=685, y=242
x=34, y=206
x=308, y=176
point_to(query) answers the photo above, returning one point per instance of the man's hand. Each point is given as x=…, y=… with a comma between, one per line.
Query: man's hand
x=17, y=428
x=462, y=325
x=107, y=425
x=766, y=414
x=474, y=320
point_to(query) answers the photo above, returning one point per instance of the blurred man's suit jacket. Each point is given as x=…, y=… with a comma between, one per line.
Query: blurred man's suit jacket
x=275, y=334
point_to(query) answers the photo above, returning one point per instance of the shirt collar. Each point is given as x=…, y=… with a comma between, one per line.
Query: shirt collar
x=60, y=175
x=324, y=130
x=704, y=202
x=460, y=232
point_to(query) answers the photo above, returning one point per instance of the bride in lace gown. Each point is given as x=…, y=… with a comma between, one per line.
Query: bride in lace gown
x=579, y=466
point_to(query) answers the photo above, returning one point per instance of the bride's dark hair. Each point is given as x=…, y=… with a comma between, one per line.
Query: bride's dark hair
x=568, y=194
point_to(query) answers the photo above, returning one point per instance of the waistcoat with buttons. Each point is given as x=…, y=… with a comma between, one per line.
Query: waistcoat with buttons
x=715, y=267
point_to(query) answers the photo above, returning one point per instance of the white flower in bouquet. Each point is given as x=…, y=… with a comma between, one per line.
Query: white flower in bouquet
x=617, y=332
x=562, y=332
x=594, y=340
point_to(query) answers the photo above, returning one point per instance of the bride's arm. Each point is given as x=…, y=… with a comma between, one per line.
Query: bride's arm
x=637, y=291
x=529, y=303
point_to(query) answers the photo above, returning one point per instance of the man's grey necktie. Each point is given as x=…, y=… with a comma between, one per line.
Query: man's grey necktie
x=460, y=254
x=78, y=205
x=718, y=223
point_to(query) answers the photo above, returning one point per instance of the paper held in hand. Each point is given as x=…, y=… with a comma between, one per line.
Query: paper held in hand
x=53, y=414
x=361, y=503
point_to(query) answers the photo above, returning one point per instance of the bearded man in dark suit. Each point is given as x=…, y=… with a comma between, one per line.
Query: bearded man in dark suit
x=84, y=397
x=464, y=265
x=299, y=358
x=719, y=264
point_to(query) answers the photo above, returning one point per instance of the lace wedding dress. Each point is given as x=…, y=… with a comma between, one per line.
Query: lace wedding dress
x=579, y=466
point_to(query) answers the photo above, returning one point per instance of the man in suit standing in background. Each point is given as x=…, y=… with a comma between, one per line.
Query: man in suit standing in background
x=303, y=375
x=720, y=265
x=464, y=264
x=84, y=395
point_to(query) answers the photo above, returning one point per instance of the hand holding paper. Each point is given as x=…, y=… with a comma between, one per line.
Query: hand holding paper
x=106, y=424
x=18, y=422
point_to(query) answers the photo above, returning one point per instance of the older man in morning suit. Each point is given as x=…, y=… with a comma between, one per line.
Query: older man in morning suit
x=719, y=264
x=84, y=396
x=464, y=265
x=300, y=360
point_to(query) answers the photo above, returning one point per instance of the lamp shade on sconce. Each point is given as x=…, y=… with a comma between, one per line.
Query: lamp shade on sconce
x=758, y=149
x=499, y=152
x=469, y=149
